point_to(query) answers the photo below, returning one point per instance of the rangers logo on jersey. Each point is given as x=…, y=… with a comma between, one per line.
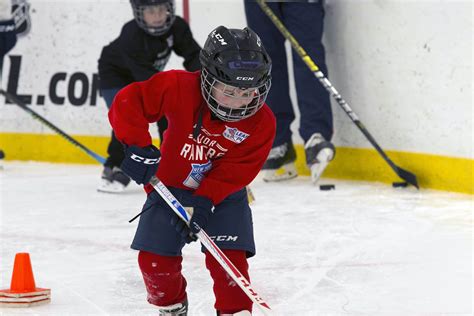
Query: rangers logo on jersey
x=196, y=174
x=234, y=135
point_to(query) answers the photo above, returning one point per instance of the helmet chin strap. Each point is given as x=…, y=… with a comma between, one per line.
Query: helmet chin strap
x=197, y=127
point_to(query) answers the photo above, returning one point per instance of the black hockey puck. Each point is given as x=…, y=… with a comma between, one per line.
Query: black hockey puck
x=327, y=187
x=2, y=154
x=399, y=184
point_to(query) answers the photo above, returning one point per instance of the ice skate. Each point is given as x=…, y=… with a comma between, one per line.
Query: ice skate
x=319, y=153
x=179, y=309
x=113, y=180
x=280, y=164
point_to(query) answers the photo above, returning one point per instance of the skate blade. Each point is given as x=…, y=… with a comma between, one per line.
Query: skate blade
x=110, y=187
x=323, y=158
x=286, y=172
x=317, y=170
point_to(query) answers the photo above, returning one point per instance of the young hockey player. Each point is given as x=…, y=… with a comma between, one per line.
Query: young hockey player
x=219, y=134
x=142, y=49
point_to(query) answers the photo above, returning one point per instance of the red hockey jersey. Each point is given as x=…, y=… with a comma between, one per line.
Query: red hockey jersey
x=222, y=159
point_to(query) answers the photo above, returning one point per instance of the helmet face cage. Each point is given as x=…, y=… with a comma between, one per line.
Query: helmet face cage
x=222, y=111
x=139, y=6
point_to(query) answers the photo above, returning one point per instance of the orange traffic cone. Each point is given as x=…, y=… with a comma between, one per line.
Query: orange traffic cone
x=23, y=291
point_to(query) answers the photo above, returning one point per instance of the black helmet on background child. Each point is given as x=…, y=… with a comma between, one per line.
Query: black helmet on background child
x=21, y=17
x=235, y=58
x=140, y=5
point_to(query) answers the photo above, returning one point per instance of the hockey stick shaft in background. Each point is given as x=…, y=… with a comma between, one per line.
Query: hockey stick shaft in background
x=404, y=174
x=22, y=105
x=213, y=249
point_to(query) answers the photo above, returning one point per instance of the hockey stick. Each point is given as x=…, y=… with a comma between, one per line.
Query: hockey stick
x=250, y=198
x=403, y=174
x=22, y=105
x=213, y=249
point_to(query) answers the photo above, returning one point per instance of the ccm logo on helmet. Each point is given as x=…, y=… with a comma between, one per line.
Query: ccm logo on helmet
x=146, y=161
x=219, y=38
x=245, y=78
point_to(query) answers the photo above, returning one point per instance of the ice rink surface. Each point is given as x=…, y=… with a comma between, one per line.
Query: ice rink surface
x=363, y=249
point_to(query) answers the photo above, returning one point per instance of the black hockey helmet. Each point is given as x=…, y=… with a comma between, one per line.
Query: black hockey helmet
x=139, y=6
x=234, y=58
x=21, y=17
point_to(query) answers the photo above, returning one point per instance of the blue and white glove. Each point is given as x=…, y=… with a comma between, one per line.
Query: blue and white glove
x=202, y=211
x=141, y=164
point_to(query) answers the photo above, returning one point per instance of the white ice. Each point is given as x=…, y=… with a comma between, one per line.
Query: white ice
x=363, y=249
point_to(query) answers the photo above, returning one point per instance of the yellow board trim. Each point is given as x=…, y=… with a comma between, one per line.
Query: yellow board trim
x=51, y=148
x=432, y=171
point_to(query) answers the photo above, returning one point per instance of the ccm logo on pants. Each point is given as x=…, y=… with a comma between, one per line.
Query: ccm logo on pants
x=224, y=238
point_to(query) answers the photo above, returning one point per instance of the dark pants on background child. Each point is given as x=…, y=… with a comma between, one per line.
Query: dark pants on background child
x=7, y=40
x=305, y=22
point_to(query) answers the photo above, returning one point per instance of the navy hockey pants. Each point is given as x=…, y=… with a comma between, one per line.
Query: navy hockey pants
x=230, y=226
x=305, y=22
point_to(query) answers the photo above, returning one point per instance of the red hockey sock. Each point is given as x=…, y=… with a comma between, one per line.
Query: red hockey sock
x=229, y=296
x=163, y=279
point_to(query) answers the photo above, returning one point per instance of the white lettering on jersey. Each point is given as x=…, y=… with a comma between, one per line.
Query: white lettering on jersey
x=202, y=148
x=199, y=152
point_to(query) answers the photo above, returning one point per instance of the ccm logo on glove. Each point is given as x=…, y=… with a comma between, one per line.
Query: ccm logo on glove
x=141, y=164
x=147, y=161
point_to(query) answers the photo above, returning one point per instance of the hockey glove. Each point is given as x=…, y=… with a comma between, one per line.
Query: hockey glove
x=141, y=164
x=202, y=210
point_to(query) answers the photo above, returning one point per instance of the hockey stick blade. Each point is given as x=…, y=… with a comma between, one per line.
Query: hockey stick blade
x=213, y=249
x=22, y=105
x=402, y=173
x=407, y=176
